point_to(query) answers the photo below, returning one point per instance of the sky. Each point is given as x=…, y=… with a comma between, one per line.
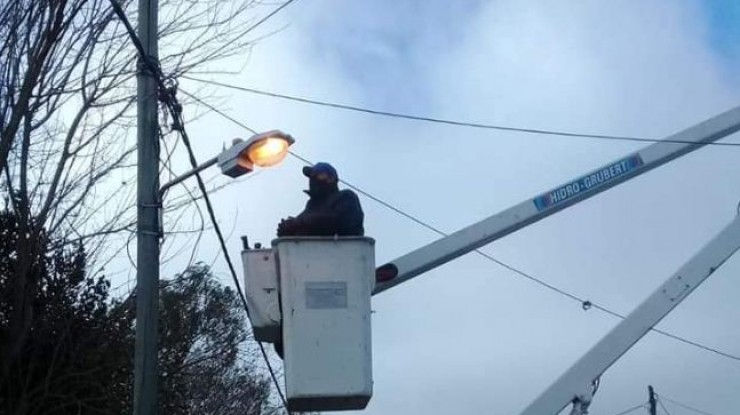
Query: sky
x=471, y=336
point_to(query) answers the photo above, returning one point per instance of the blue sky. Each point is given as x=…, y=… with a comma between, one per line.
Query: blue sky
x=724, y=24
x=388, y=43
x=469, y=336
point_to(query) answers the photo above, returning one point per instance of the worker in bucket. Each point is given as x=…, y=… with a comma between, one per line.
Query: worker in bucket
x=329, y=211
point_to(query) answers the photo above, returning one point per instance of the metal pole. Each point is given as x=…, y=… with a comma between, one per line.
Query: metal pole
x=651, y=399
x=147, y=249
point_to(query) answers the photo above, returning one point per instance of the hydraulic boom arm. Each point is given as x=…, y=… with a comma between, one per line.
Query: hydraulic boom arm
x=574, y=385
x=497, y=226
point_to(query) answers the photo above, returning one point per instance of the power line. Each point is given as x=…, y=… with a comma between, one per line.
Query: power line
x=696, y=344
x=227, y=257
x=219, y=112
x=660, y=401
x=175, y=109
x=457, y=123
x=633, y=409
x=269, y=15
x=682, y=405
x=585, y=303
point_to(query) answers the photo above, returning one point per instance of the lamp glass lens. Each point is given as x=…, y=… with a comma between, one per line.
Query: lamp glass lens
x=268, y=152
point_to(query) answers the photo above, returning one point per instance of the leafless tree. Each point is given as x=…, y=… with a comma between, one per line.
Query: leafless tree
x=67, y=96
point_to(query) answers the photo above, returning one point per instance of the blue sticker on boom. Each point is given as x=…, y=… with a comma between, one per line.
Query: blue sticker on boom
x=588, y=182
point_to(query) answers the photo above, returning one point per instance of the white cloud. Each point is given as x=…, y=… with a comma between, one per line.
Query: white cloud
x=470, y=337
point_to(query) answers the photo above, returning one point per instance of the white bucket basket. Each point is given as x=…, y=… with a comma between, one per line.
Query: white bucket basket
x=325, y=290
x=261, y=291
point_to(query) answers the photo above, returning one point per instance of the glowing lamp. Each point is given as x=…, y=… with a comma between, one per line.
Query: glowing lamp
x=261, y=150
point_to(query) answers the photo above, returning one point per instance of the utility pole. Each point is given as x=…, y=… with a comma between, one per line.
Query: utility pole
x=147, y=229
x=651, y=399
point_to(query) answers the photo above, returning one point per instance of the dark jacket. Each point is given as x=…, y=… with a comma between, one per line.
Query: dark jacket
x=338, y=213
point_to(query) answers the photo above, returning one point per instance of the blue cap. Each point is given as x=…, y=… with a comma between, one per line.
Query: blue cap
x=320, y=167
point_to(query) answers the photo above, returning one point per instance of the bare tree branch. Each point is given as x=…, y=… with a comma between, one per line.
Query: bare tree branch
x=66, y=115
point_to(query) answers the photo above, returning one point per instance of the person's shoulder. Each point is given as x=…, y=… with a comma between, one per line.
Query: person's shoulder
x=347, y=194
x=347, y=197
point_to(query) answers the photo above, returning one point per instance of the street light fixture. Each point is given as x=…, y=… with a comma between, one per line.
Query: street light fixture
x=261, y=150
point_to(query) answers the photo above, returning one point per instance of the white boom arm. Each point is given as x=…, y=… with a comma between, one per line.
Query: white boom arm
x=574, y=385
x=555, y=200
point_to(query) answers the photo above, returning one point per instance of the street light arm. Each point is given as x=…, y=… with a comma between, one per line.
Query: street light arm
x=179, y=179
x=238, y=159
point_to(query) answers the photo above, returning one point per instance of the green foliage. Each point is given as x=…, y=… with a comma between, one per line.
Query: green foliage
x=70, y=359
x=77, y=357
x=205, y=365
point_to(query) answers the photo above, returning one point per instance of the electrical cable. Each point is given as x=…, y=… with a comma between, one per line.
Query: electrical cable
x=585, y=304
x=682, y=405
x=219, y=112
x=170, y=100
x=269, y=15
x=634, y=408
x=447, y=121
x=663, y=407
x=227, y=257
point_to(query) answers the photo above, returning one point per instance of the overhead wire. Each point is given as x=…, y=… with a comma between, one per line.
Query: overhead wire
x=166, y=166
x=452, y=122
x=585, y=303
x=683, y=405
x=269, y=15
x=170, y=100
x=227, y=257
x=216, y=110
x=660, y=402
x=632, y=409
